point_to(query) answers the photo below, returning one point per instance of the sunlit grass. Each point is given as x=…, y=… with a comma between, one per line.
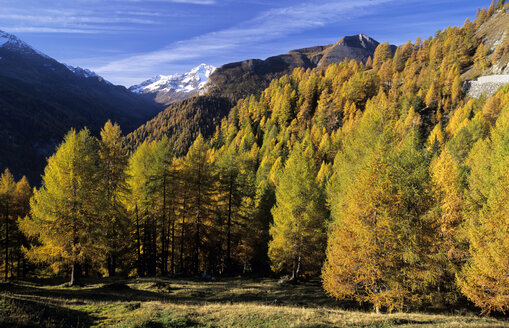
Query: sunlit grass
x=159, y=302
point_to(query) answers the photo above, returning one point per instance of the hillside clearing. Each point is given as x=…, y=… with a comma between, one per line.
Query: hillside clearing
x=160, y=302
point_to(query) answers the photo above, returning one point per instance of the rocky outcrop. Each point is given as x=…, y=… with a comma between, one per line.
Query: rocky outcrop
x=485, y=85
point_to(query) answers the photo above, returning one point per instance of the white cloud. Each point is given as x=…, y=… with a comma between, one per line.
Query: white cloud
x=191, y=2
x=270, y=25
x=89, y=19
x=195, y=2
x=29, y=29
x=72, y=19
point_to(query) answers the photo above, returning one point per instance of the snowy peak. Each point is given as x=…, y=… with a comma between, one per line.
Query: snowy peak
x=85, y=73
x=187, y=83
x=11, y=42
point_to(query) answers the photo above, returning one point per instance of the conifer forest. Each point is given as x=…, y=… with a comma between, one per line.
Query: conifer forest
x=382, y=179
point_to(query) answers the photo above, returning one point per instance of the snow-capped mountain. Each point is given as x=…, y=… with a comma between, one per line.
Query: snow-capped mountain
x=11, y=42
x=41, y=99
x=170, y=88
x=85, y=72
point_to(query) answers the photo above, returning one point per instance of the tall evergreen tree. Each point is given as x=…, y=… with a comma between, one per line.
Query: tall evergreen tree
x=149, y=185
x=377, y=248
x=64, y=210
x=298, y=232
x=198, y=173
x=22, y=196
x=484, y=278
x=114, y=189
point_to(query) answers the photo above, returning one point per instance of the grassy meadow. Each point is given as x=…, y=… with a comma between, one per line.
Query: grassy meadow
x=235, y=302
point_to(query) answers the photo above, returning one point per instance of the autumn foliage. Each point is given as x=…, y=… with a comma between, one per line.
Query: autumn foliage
x=384, y=177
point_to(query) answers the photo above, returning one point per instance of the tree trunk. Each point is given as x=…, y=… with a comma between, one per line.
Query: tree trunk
x=197, y=244
x=297, y=270
x=182, y=245
x=229, y=224
x=6, y=241
x=108, y=264
x=73, y=272
x=163, y=231
x=18, y=273
x=197, y=234
x=377, y=308
x=173, y=246
x=86, y=268
x=111, y=261
x=153, y=257
x=138, y=240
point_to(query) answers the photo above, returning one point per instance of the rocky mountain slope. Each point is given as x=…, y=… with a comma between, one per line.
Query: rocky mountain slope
x=168, y=89
x=494, y=73
x=41, y=99
x=237, y=80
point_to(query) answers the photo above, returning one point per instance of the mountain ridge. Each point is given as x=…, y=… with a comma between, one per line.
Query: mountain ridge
x=240, y=79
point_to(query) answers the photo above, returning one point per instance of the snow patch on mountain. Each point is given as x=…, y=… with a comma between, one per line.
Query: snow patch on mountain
x=3, y=38
x=11, y=42
x=85, y=72
x=189, y=82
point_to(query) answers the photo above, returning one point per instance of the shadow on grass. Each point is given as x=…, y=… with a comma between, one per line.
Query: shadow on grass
x=398, y=322
x=17, y=312
x=181, y=291
x=115, y=292
x=173, y=323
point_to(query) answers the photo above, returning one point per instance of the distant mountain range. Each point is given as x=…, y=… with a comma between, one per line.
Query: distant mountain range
x=168, y=89
x=41, y=99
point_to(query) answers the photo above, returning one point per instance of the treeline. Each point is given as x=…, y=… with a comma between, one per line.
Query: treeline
x=384, y=177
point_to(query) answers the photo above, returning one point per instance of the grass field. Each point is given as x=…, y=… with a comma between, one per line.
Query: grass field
x=236, y=302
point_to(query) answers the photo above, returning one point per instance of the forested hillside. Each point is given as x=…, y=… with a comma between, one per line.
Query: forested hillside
x=382, y=177
x=183, y=121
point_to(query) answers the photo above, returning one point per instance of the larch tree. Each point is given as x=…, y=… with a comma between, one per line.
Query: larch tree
x=481, y=58
x=64, y=210
x=378, y=195
x=148, y=182
x=163, y=184
x=137, y=203
x=298, y=232
x=448, y=217
x=198, y=173
x=382, y=52
x=114, y=189
x=229, y=172
x=22, y=196
x=484, y=279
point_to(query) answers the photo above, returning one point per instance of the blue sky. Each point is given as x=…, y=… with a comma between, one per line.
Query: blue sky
x=128, y=41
